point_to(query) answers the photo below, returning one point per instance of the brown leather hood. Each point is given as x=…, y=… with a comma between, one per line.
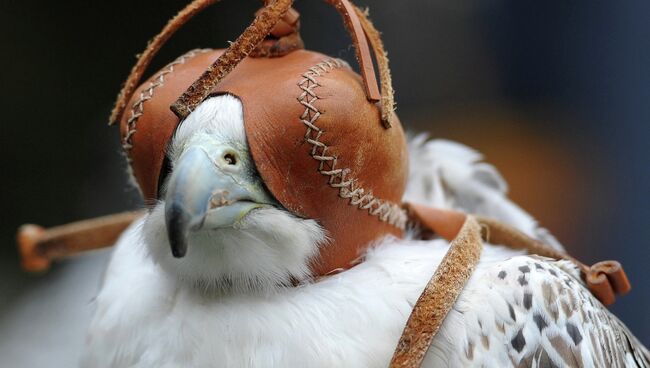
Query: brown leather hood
x=316, y=140
x=326, y=143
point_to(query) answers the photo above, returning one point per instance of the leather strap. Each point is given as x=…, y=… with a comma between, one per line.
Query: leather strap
x=283, y=39
x=388, y=116
x=604, y=279
x=439, y=296
x=246, y=43
x=437, y=221
x=358, y=34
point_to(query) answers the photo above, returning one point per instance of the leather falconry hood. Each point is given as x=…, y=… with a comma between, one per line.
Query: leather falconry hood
x=326, y=142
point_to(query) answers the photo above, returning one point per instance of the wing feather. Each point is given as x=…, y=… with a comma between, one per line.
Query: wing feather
x=448, y=174
x=537, y=312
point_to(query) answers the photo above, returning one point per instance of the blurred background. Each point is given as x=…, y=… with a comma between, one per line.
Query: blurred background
x=556, y=94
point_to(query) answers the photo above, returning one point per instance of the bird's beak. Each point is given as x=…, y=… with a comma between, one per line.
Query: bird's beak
x=207, y=189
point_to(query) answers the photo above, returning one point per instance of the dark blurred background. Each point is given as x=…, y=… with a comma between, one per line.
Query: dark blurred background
x=554, y=93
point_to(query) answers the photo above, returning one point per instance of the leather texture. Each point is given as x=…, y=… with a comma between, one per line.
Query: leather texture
x=438, y=221
x=439, y=295
x=272, y=91
x=359, y=38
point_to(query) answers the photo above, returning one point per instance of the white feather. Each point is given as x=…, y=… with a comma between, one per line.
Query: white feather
x=451, y=175
x=352, y=319
x=147, y=315
x=219, y=117
x=269, y=248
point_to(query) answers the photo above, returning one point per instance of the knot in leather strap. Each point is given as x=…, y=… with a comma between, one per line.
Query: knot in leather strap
x=606, y=279
x=283, y=38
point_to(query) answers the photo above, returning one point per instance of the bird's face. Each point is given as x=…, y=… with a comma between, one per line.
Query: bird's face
x=217, y=225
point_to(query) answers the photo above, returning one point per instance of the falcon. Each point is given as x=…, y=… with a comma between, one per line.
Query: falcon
x=242, y=295
x=290, y=224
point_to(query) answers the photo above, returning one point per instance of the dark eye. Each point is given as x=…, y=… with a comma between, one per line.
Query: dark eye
x=230, y=159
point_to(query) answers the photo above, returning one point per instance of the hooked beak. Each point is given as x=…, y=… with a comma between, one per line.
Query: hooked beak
x=208, y=193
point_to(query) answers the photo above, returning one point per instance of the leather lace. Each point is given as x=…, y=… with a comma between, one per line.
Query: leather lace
x=359, y=26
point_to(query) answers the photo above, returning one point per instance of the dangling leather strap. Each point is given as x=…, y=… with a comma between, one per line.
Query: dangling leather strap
x=387, y=92
x=358, y=35
x=439, y=296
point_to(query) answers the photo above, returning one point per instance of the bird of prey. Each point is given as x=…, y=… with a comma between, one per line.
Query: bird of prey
x=243, y=294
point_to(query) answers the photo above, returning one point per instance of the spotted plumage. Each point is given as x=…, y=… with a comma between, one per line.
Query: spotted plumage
x=551, y=320
x=526, y=311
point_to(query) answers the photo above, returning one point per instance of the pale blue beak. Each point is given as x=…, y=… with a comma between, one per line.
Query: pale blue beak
x=210, y=188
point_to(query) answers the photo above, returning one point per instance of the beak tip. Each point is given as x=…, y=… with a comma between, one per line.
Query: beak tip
x=177, y=242
x=178, y=252
x=177, y=222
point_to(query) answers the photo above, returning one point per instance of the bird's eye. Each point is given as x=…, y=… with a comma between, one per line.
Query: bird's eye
x=230, y=159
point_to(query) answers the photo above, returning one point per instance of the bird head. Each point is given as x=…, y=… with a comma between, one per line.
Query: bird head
x=270, y=168
x=216, y=224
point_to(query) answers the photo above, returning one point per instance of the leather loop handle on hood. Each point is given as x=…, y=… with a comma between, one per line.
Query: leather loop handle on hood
x=359, y=38
x=358, y=26
x=362, y=30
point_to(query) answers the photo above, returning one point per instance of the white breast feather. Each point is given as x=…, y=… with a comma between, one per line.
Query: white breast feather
x=515, y=311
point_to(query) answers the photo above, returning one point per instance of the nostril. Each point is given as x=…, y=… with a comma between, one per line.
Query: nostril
x=230, y=158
